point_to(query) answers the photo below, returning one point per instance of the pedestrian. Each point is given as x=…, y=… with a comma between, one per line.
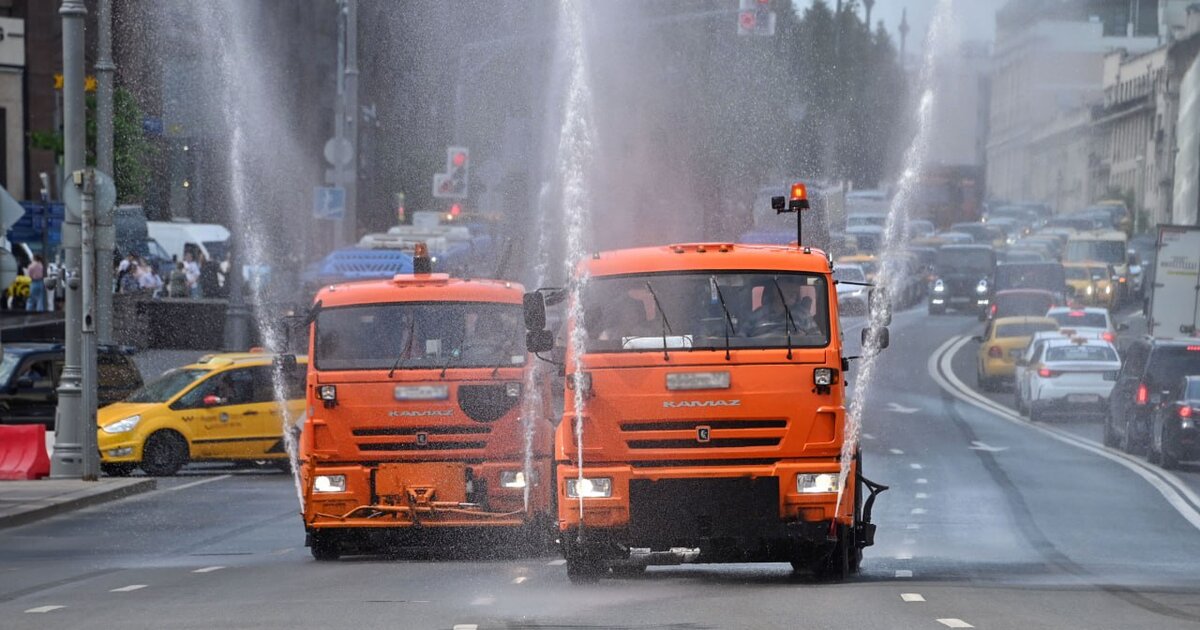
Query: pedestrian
x=37, y=284
x=210, y=281
x=148, y=280
x=177, y=282
x=192, y=268
x=126, y=282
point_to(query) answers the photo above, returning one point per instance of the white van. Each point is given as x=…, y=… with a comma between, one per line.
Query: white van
x=177, y=237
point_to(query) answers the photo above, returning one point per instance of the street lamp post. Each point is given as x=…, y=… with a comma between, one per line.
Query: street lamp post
x=105, y=232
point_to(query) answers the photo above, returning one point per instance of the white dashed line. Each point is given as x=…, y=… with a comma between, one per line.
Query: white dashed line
x=518, y=580
x=465, y=626
x=904, y=556
x=922, y=481
x=912, y=597
x=895, y=451
x=912, y=526
x=556, y=563
x=868, y=436
x=208, y=569
x=918, y=511
x=126, y=589
x=915, y=466
x=486, y=600
x=43, y=609
x=955, y=623
x=921, y=495
x=903, y=573
x=280, y=552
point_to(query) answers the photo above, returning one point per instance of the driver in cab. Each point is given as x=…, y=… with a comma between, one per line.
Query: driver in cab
x=771, y=318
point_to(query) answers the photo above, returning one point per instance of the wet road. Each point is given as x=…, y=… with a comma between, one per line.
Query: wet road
x=990, y=523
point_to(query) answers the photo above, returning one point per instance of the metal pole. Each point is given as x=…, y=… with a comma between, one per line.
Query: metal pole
x=105, y=232
x=67, y=459
x=352, y=115
x=91, y=457
x=339, y=115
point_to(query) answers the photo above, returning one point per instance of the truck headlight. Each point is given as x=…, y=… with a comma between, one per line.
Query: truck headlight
x=329, y=483
x=123, y=426
x=824, y=377
x=595, y=488
x=512, y=390
x=809, y=483
x=328, y=393
x=512, y=479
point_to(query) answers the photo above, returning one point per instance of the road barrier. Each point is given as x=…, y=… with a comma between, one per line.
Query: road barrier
x=23, y=452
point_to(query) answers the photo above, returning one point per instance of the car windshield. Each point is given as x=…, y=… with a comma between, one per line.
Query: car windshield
x=1023, y=329
x=1080, y=319
x=1099, y=273
x=419, y=335
x=1167, y=363
x=1075, y=352
x=1112, y=252
x=8, y=363
x=1015, y=305
x=1076, y=273
x=621, y=313
x=1046, y=276
x=950, y=259
x=849, y=274
x=167, y=386
x=1193, y=392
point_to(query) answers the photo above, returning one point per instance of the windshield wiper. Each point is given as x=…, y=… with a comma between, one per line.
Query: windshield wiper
x=787, y=312
x=412, y=327
x=728, y=318
x=504, y=351
x=666, y=326
x=449, y=360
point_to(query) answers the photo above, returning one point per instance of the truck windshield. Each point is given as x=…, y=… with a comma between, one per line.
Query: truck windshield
x=166, y=386
x=620, y=313
x=419, y=335
x=1112, y=252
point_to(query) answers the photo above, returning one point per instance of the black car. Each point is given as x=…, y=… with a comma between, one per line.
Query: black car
x=1151, y=368
x=1174, y=435
x=29, y=377
x=1047, y=276
x=962, y=278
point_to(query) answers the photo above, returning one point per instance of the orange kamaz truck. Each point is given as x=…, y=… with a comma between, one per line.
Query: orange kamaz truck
x=705, y=411
x=423, y=417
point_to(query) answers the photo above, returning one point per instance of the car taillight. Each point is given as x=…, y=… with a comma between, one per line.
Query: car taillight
x=1108, y=336
x=993, y=310
x=1047, y=373
x=1185, y=412
x=1143, y=394
x=995, y=352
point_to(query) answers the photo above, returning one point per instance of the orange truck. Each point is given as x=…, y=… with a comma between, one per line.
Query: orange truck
x=705, y=413
x=423, y=417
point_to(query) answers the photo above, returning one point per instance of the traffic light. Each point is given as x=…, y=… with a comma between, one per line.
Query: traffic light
x=755, y=17
x=455, y=182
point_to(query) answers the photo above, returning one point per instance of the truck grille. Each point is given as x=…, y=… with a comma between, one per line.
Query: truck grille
x=685, y=434
x=421, y=438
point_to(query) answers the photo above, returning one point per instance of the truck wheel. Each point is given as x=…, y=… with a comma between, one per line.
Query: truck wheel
x=1035, y=414
x=583, y=567
x=325, y=546
x=164, y=453
x=628, y=571
x=836, y=566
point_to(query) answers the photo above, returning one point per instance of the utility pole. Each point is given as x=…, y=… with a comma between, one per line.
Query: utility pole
x=70, y=423
x=86, y=179
x=105, y=232
x=352, y=117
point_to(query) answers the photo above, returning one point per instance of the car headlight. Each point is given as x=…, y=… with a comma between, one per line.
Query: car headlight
x=982, y=287
x=329, y=483
x=1108, y=289
x=939, y=286
x=512, y=479
x=809, y=483
x=1090, y=290
x=123, y=426
x=595, y=488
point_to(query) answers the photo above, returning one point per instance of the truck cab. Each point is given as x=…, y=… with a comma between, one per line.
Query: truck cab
x=424, y=416
x=705, y=411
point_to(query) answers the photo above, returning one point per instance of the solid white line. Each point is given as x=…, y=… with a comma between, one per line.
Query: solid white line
x=518, y=580
x=918, y=511
x=43, y=609
x=895, y=451
x=921, y=495
x=556, y=563
x=915, y=466
x=904, y=556
x=903, y=573
x=126, y=589
x=208, y=569
x=193, y=484
x=486, y=600
x=465, y=626
x=1168, y=485
x=912, y=597
x=955, y=623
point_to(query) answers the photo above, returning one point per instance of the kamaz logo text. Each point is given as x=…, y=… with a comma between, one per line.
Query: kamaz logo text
x=418, y=414
x=669, y=404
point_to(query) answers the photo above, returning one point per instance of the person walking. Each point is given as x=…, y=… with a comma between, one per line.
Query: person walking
x=37, y=284
x=192, y=269
x=177, y=282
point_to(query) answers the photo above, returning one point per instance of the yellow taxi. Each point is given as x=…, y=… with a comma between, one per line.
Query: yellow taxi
x=220, y=408
x=1106, y=288
x=869, y=264
x=1079, y=283
x=1002, y=343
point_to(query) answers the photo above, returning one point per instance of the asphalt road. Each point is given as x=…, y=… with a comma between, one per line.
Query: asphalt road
x=989, y=523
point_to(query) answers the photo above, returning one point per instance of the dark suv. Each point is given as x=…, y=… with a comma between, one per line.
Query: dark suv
x=1151, y=368
x=29, y=377
x=962, y=278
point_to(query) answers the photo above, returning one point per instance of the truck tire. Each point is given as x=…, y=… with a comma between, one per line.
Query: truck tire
x=164, y=453
x=325, y=546
x=584, y=567
x=628, y=571
x=836, y=566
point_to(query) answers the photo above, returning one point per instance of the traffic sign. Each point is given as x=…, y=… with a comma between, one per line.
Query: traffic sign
x=339, y=151
x=104, y=200
x=329, y=202
x=755, y=17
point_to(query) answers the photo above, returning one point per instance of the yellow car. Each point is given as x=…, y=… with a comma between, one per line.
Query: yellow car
x=220, y=408
x=869, y=264
x=1080, y=287
x=1106, y=288
x=1002, y=343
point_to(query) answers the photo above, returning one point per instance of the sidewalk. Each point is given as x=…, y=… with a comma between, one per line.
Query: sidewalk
x=27, y=501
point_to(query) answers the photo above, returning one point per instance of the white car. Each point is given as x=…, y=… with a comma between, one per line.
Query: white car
x=852, y=298
x=1089, y=321
x=1071, y=376
x=1021, y=371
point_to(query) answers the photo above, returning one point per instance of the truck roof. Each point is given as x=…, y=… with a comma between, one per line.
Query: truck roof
x=692, y=256
x=432, y=287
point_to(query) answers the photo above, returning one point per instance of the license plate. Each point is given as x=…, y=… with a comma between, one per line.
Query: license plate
x=1083, y=398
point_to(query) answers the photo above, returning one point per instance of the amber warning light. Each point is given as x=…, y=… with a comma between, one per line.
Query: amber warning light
x=796, y=201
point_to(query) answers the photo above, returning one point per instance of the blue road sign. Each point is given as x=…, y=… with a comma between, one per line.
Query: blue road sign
x=329, y=202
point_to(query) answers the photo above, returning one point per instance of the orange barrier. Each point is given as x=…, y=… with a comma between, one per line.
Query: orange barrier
x=23, y=452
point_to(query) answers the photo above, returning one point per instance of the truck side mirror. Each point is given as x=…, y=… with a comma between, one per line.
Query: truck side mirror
x=539, y=341
x=876, y=338
x=880, y=307
x=535, y=311
x=287, y=363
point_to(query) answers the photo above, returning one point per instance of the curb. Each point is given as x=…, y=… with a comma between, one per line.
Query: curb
x=70, y=505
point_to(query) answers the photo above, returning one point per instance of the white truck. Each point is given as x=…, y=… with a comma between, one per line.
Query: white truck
x=1174, y=302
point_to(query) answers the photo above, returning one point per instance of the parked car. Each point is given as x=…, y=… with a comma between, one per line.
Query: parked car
x=1150, y=369
x=1174, y=436
x=1069, y=376
x=30, y=373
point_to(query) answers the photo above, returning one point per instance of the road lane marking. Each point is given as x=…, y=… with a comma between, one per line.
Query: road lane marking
x=193, y=484
x=868, y=436
x=1179, y=496
x=903, y=573
x=898, y=408
x=43, y=609
x=955, y=623
x=126, y=589
x=208, y=569
x=915, y=466
x=556, y=563
x=486, y=600
x=280, y=552
x=904, y=556
x=520, y=579
x=908, y=542
x=917, y=511
x=895, y=451
x=921, y=495
x=465, y=626
x=976, y=445
x=922, y=481
x=912, y=597
x=912, y=526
